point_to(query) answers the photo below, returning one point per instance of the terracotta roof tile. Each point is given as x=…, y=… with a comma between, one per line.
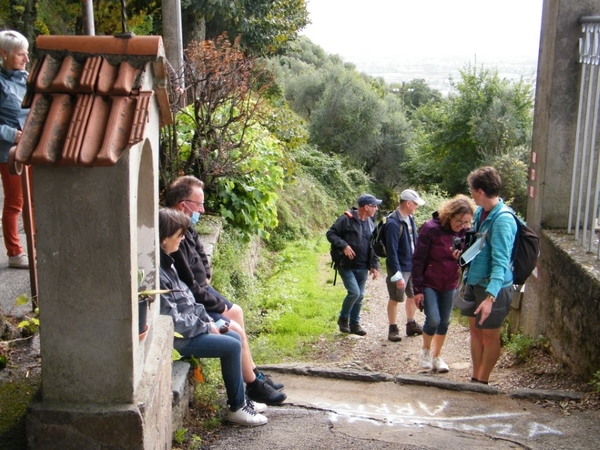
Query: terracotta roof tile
x=90, y=98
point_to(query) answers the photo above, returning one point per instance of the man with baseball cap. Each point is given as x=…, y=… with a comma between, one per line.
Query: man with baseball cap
x=353, y=257
x=401, y=238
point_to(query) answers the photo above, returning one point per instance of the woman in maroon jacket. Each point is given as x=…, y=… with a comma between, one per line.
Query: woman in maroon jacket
x=435, y=274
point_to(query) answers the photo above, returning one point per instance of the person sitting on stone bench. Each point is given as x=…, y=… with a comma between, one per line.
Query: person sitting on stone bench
x=186, y=194
x=201, y=337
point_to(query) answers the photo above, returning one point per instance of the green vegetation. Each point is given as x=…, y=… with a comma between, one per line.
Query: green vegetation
x=521, y=345
x=595, y=383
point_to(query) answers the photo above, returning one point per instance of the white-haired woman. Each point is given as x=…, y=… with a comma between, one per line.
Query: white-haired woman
x=13, y=78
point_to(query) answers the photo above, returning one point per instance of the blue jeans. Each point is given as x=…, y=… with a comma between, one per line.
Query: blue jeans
x=355, y=281
x=227, y=347
x=438, y=307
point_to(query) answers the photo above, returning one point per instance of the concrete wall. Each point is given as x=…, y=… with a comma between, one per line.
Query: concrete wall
x=561, y=298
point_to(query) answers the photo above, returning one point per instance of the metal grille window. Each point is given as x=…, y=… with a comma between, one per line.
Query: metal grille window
x=585, y=183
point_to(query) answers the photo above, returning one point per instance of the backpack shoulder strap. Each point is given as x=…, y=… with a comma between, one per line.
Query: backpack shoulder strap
x=399, y=220
x=506, y=210
x=348, y=213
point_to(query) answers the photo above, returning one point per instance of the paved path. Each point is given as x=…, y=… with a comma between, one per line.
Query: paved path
x=13, y=282
x=330, y=413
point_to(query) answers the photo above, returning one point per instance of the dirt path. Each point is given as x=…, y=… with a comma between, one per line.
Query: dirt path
x=375, y=352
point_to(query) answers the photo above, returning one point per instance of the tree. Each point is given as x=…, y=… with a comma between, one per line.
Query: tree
x=347, y=118
x=225, y=94
x=485, y=118
x=265, y=26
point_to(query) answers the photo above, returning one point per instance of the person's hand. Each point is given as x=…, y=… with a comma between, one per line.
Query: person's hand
x=455, y=253
x=18, y=136
x=485, y=308
x=349, y=252
x=375, y=273
x=400, y=284
x=419, y=301
x=214, y=329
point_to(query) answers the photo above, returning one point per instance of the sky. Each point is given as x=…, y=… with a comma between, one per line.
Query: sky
x=482, y=28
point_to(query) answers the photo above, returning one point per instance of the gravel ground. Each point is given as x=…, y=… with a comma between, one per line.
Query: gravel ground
x=374, y=352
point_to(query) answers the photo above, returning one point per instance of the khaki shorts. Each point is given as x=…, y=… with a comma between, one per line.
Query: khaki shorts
x=398, y=294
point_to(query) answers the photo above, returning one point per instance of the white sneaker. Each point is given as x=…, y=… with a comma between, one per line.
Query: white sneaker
x=19, y=261
x=426, y=362
x=440, y=365
x=246, y=416
x=256, y=406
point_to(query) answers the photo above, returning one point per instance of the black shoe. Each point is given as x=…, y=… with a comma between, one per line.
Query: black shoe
x=343, y=324
x=394, y=334
x=267, y=379
x=264, y=393
x=355, y=328
x=413, y=328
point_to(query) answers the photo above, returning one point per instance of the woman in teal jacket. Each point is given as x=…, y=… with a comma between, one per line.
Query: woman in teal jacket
x=489, y=277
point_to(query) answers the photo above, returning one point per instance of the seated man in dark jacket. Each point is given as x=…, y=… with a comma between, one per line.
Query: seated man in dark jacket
x=187, y=194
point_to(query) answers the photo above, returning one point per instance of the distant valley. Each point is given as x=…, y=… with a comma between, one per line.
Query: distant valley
x=436, y=71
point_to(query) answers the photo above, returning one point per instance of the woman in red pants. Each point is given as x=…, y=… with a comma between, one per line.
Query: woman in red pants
x=13, y=77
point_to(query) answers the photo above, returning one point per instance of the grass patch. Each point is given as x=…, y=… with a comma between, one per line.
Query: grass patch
x=298, y=302
x=290, y=304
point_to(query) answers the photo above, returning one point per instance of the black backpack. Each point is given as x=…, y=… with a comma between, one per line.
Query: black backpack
x=378, y=236
x=525, y=252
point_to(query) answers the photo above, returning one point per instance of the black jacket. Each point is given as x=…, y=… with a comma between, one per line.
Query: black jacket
x=347, y=230
x=193, y=269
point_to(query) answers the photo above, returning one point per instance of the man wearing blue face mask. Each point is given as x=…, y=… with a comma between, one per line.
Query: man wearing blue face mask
x=186, y=194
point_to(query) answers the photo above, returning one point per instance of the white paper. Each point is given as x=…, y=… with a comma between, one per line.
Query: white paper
x=473, y=250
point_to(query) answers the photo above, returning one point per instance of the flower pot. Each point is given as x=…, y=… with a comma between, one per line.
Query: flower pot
x=143, y=314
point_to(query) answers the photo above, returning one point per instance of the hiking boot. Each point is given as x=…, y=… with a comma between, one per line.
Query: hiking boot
x=267, y=379
x=425, y=359
x=394, y=334
x=440, y=365
x=246, y=416
x=413, y=328
x=19, y=261
x=257, y=407
x=355, y=328
x=264, y=393
x=343, y=324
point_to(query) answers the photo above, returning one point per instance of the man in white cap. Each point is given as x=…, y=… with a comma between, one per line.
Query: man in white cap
x=400, y=239
x=353, y=257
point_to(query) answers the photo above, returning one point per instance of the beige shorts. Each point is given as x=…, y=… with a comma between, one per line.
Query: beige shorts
x=398, y=294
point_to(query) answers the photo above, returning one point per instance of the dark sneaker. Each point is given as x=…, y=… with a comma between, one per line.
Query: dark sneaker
x=267, y=379
x=355, y=328
x=343, y=324
x=394, y=334
x=264, y=393
x=413, y=328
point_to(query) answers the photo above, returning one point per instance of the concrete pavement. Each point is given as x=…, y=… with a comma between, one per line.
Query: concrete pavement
x=13, y=282
x=330, y=411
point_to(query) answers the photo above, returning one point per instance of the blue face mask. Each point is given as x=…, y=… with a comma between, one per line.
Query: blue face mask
x=195, y=217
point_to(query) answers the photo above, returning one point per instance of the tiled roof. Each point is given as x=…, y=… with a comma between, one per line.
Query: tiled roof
x=90, y=98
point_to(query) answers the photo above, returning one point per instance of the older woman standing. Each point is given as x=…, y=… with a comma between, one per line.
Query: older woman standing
x=13, y=77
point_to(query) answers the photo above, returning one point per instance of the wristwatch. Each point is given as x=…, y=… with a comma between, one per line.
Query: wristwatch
x=492, y=297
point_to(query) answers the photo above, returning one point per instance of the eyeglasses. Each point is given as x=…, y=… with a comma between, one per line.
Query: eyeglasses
x=372, y=206
x=192, y=201
x=461, y=223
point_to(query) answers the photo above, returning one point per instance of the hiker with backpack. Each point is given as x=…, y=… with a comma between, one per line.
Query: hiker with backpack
x=489, y=278
x=352, y=255
x=435, y=274
x=401, y=239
